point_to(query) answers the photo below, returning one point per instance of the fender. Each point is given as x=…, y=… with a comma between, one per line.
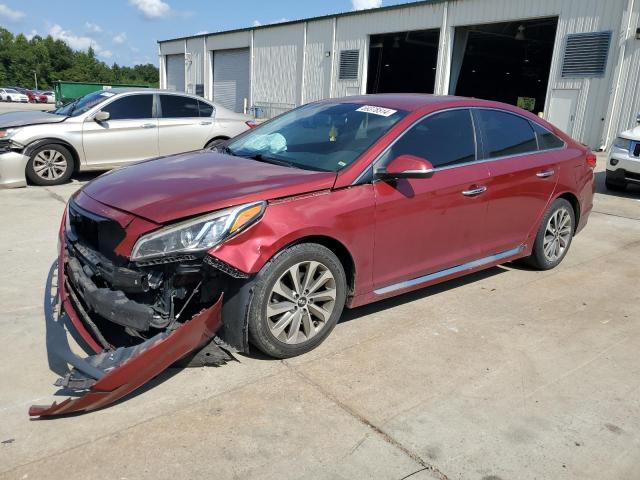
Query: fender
x=289, y=220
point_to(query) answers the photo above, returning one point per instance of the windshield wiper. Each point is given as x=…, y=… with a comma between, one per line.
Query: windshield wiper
x=262, y=158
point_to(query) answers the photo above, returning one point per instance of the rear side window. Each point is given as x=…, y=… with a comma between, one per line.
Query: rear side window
x=505, y=134
x=206, y=110
x=546, y=139
x=130, y=107
x=443, y=139
x=175, y=106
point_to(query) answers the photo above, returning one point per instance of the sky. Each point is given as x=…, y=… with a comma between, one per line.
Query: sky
x=126, y=31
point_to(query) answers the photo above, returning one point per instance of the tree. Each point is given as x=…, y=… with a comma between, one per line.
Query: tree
x=54, y=60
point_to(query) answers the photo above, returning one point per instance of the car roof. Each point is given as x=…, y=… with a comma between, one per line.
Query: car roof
x=416, y=101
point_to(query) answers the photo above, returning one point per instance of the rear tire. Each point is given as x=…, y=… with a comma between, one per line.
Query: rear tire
x=290, y=317
x=50, y=165
x=554, y=236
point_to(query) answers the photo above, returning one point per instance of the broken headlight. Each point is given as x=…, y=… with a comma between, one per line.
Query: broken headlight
x=199, y=233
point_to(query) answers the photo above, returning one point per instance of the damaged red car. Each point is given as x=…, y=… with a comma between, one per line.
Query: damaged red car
x=262, y=243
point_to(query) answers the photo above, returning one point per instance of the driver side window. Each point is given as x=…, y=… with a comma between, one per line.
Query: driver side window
x=443, y=139
x=131, y=107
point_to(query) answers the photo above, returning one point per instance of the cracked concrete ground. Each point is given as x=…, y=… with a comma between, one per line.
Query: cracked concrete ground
x=506, y=374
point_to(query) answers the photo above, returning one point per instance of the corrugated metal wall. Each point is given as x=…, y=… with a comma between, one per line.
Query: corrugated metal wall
x=283, y=53
x=277, y=64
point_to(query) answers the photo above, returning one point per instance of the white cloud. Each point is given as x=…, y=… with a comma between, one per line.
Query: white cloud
x=9, y=14
x=152, y=9
x=32, y=34
x=78, y=42
x=257, y=23
x=365, y=4
x=92, y=27
x=120, y=38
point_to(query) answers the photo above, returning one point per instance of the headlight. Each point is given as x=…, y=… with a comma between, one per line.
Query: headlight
x=8, y=133
x=198, y=234
x=622, y=143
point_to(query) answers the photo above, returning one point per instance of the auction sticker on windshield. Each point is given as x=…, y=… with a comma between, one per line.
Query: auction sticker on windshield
x=383, y=112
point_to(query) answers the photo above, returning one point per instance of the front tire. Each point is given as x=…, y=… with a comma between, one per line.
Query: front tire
x=50, y=165
x=214, y=144
x=297, y=300
x=554, y=236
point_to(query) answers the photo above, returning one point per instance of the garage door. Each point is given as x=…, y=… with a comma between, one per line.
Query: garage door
x=175, y=72
x=231, y=78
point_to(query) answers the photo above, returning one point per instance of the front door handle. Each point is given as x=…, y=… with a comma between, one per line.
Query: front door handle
x=148, y=125
x=545, y=173
x=206, y=123
x=474, y=191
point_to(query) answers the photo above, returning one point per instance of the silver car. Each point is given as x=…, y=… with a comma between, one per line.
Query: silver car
x=107, y=129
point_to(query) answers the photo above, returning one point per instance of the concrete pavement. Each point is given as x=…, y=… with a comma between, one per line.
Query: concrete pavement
x=506, y=374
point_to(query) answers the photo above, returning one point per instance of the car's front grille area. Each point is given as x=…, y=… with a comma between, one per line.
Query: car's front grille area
x=101, y=234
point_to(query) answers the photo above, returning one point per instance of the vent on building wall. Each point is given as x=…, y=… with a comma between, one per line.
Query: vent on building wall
x=585, y=54
x=349, y=60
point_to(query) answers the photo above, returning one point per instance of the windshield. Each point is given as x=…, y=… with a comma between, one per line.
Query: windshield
x=325, y=137
x=83, y=104
x=10, y=90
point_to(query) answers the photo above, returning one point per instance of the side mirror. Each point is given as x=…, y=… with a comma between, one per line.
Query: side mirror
x=101, y=116
x=406, y=166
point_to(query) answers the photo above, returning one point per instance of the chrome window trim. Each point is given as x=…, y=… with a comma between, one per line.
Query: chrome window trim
x=478, y=160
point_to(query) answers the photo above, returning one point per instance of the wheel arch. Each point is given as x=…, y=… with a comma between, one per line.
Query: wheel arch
x=219, y=137
x=575, y=204
x=340, y=251
x=29, y=149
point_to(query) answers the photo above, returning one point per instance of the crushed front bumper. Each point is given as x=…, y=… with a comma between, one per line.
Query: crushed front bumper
x=12, y=169
x=111, y=374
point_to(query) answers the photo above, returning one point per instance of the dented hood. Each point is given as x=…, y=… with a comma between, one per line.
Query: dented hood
x=22, y=119
x=169, y=188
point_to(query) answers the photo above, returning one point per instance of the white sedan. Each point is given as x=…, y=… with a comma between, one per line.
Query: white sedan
x=108, y=129
x=11, y=95
x=623, y=164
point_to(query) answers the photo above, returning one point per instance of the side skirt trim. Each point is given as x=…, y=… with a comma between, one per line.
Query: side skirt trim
x=449, y=271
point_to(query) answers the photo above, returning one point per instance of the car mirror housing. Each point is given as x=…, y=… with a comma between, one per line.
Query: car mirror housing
x=406, y=166
x=102, y=116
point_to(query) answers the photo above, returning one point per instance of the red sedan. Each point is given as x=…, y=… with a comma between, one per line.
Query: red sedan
x=337, y=203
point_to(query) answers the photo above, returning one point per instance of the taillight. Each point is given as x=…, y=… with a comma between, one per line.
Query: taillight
x=591, y=160
x=251, y=123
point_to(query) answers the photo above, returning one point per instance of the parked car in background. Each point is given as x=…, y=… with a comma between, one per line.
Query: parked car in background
x=341, y=202
x=108, y=129
x=623, y=164
x=49, y=97
x=40, y=97
x=31, y=95
x=12, y=95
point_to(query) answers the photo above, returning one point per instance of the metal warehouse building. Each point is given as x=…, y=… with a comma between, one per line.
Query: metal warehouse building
x=575, y=62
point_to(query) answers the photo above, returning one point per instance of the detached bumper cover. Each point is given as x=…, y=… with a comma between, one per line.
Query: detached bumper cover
x=109, y=375
x=12, y=167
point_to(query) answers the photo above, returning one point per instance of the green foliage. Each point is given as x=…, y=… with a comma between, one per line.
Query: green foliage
x=55, y=60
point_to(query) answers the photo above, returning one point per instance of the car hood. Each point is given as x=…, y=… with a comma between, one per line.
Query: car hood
x=633, y=134
x=22, y=119
x=170, y=188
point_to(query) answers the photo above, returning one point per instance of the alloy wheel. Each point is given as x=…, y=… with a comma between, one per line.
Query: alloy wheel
x=557, y=235
x=50, y=164
x=301, y=302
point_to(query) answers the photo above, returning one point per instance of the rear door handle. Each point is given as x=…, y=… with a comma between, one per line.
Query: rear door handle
x=545, y=173
x=205, y=123
x=148, y=125
x=474, y=191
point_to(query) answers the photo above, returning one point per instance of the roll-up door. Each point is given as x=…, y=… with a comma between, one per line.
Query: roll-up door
x=231, y=78
x=175, y=72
